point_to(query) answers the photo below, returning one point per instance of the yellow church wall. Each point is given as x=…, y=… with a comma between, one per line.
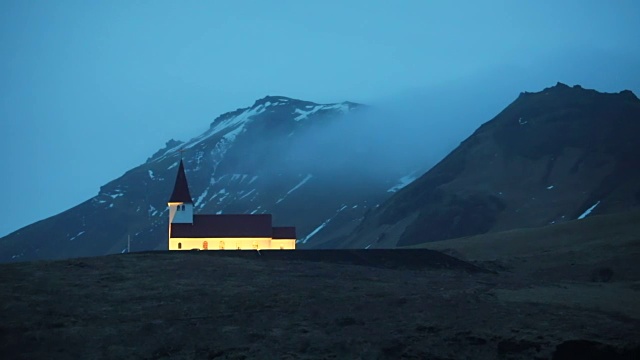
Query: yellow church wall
x=283, y=244
x=230, y=244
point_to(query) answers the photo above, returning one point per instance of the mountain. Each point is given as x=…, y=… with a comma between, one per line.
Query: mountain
x=278, y=156
x=549, y=157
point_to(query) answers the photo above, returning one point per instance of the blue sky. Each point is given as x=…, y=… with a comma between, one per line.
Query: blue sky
x=90, y=89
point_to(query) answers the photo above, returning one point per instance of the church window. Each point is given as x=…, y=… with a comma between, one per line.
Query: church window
x=178, y=208
x=255, y=245
x=182, y=207
x=179, y=245
x=205, y=245
x=222, y=245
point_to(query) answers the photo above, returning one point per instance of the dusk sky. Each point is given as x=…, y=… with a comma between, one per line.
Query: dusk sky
x=91, y=89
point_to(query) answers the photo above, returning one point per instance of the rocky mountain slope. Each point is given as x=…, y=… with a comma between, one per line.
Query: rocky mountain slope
x=273, y=157
x=549, y=157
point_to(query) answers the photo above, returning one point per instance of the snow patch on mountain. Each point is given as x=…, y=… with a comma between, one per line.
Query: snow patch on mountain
x=231, y=123
x=404, y=181
x=116, y=195
x=231, y=135
x=199, y=156
x=151, y=175
x=247, y=194
x=201, y=197
x=322, y=226
x=77, y=235
x=169, y=152
x=589, y=210
x=221, y=195
x=315, y=231
x=224, y=196
x=217, y=153
x=306, y=178
x=342, y=107
x=304, y=114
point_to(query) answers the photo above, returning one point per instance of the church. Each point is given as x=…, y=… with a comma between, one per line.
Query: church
x=188, y=231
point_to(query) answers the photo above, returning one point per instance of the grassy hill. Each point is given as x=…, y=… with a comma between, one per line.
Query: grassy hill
x=542, y=301
x=564, y=250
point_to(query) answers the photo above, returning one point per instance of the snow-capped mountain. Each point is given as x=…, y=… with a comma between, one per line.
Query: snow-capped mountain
x=275, y=157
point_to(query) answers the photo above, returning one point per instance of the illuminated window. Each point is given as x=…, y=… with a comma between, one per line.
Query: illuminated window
x=205, y=245
x=179, y=245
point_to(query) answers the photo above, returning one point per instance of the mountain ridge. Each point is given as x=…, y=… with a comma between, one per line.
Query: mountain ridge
x=245, y=162
x=546, y=158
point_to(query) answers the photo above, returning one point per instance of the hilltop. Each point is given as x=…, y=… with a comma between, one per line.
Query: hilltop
x=319, y=304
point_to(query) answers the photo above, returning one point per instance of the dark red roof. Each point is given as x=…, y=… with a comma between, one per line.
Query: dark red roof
x=181, y=188
x=224, y=226
x=288, y=232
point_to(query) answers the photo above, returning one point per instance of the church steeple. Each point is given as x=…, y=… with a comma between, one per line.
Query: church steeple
x=181, y=188
x=180, y=202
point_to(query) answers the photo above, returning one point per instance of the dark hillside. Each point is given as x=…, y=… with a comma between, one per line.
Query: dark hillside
x=547, y=158
x=240, y=305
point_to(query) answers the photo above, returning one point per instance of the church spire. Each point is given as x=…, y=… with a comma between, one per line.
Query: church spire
x=181, y=188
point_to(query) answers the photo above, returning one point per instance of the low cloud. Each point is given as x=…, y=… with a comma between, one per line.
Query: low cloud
x=413, y=130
